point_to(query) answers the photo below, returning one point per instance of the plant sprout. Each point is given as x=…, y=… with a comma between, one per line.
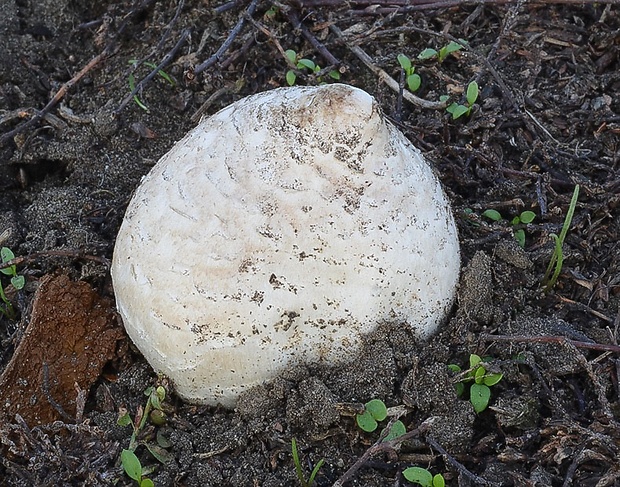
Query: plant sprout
x=413, y=80
x=304, y=63
x=132, y=81
x=17, y=282
x=557, y=259
x=479, y=392
x=457, y=110
x=525, y=217
x=300, y=474
x=444, y=52
x=423, y=477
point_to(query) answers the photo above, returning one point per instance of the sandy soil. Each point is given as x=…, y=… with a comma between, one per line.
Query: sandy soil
x=547, y=119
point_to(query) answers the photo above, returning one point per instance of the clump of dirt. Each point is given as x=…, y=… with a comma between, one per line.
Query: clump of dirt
x=74, y=144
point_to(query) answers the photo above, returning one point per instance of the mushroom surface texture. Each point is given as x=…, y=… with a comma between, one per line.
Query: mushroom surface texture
x=280, y=231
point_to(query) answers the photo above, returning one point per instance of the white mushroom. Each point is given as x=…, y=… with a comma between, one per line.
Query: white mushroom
x=278, y=231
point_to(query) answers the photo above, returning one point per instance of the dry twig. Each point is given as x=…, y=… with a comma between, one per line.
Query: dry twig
x=75, y=254
x=551, y=339
x=39, y=114
x=382, y=7
x=381, y=446
x=228, y=42
x=293, y=19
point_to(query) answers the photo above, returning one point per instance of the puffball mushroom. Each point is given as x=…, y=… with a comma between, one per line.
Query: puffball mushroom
x=280, y=231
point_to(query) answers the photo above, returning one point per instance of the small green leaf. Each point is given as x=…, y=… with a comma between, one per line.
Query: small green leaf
x=427, y=53
x=306, y=63
x=334, y=74
x=520, y=237
x=6, y=254
x=291, y=55
x=404, y=62
x=161, y=72
x=438, y=481
x=444, y=98
x=377, y=408
x=162, y=440
x=479, y=397
x=449, y=49
x=161, y=455
x=472, y=93
x=366, y=422
x=460, y=389
x=124, y=420
x=454, y=368
x=166, y=76
x=419, y=475
x=397, y=429
x=413, y=82
x=131, y=465
x=314, y=472
x=161, y=392
x=139, y=103
x=458, y=111
x=450, y=108
x=479, y=375
x=132, y=86
x=492, y=215
x=147, y=483
x=474, y=360
x=18, y=282
x=155, y=401
x=492, y=379
x=271, y=13
x=291, y=77
x=527, y=216
x=296, y=462
x=515, y=221
x=452, y=47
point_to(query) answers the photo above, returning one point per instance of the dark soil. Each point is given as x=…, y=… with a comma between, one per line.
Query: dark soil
x=547, y=119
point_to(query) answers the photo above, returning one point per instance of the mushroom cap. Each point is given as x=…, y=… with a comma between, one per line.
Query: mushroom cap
x=280, y=231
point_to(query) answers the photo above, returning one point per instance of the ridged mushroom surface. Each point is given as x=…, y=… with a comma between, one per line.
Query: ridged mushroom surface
x=280, y=230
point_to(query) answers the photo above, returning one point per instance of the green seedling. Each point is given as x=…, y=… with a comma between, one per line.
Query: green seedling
x=397, y=429
x=304, y=64
x=456, y=109
x=374, y=411
x=154, y=413
x=132, y=81
x=479, y=391
x=271, y=13
x=443, y=53
x=423, y=477
x=133, y=468
x=557, y=259
x=17, y=282
x=413, y=80
x=524, y=218
x=300, y=473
